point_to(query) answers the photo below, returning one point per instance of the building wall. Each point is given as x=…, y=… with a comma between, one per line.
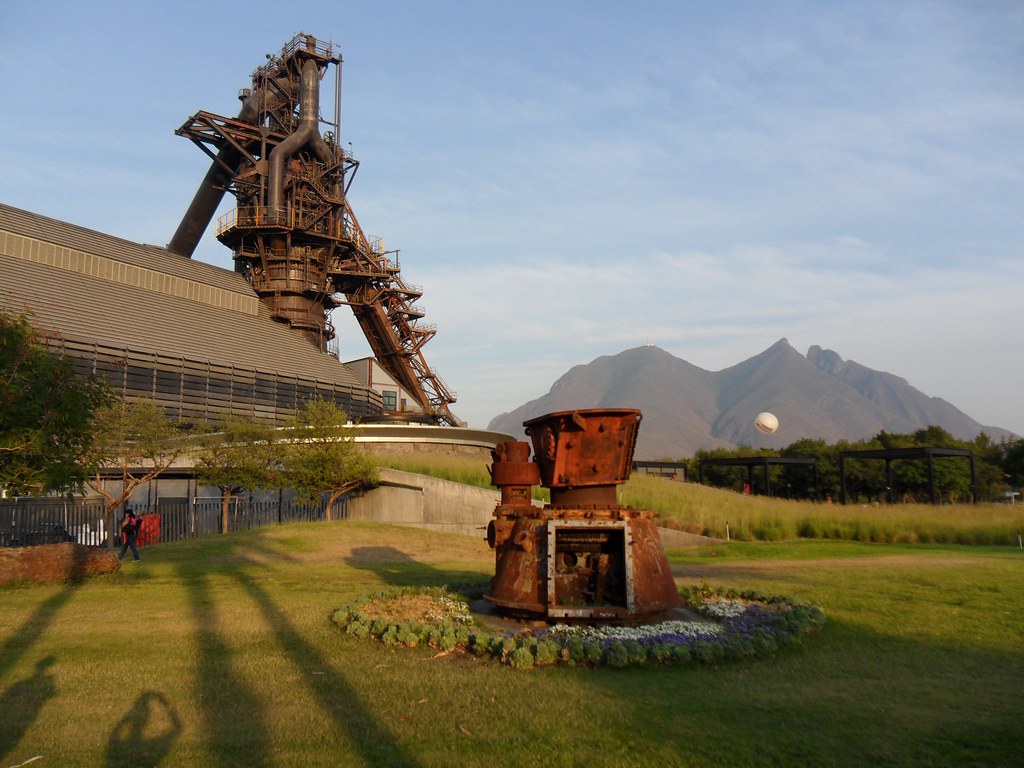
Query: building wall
x=193, y=390
x=394, y=399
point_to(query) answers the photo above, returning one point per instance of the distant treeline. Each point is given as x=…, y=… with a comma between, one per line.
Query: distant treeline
x=999, y=470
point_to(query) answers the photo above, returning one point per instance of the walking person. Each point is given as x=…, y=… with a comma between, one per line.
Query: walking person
x=130, y=525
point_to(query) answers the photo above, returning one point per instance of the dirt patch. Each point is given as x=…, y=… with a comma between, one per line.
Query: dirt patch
x=434, y=610
x=401, y=608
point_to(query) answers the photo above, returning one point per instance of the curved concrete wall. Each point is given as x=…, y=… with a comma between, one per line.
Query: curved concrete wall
x=406, y=498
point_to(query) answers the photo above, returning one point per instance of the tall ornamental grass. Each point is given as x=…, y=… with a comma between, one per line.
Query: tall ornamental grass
x=725, y=514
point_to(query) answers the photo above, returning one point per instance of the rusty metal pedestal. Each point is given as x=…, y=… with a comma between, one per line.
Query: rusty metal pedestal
x=583, y=556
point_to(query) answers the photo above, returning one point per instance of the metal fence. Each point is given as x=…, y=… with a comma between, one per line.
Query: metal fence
x=30, y=521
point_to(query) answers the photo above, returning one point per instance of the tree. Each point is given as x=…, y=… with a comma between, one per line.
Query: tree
x=990, y=458
x=1013, y=463
x=323, y=456
x=243, y=455
x=134, y=442
x=801, y=479
x=46, y=413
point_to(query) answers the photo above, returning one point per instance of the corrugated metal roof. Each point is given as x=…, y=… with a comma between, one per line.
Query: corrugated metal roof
x=145, y=256
x=93, y=308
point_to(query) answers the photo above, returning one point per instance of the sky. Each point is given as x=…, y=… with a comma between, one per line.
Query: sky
x=568, y=180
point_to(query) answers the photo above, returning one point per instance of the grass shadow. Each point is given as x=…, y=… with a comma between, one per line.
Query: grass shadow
x=335, y=696
x=20, y=704
x=223, y=697
x=28, y=633
x=399, y=569
x=145, y=734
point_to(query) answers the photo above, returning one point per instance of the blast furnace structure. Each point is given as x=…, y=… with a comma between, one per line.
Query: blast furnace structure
x=583, y=556
x=293, y=234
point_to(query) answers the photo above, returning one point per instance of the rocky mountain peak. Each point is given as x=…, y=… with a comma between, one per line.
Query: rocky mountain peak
x=687, y=408
x=825, y=359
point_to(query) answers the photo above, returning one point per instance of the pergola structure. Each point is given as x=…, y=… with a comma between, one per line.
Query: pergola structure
x=888, y=455
x=750, y=462
x=675, y=470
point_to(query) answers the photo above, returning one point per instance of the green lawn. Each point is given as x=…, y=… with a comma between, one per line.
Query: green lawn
x=220, y=652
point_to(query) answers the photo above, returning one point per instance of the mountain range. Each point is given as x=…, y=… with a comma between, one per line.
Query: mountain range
x=686, y=408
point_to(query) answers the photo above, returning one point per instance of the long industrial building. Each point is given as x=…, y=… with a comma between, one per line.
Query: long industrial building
x=193, y=337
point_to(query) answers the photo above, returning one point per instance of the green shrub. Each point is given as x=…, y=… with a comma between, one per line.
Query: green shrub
x=478, y=643
x=593, y=652
x=661, y=653
x=577, y=650
x=708, y=653
x=521, y=658
x=616, y=655
x=681, y=654
x=508, y=647
x=547, y=652
x=637, y=653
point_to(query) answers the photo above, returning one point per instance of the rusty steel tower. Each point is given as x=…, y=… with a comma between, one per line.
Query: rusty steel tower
x=293, y=234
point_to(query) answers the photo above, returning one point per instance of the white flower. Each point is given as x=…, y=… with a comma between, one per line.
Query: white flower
x=684, y=628
x=451, y=610
x=723, y=608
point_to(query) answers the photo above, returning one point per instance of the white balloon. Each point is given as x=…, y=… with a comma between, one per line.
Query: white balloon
x=766, y=422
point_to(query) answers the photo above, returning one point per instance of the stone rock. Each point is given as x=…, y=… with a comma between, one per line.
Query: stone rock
x=53, y=563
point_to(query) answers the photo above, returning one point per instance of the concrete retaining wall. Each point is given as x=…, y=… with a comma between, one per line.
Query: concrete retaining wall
x=427, y=502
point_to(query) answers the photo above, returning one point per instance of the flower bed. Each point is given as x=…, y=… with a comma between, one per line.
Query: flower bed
x=732, y=625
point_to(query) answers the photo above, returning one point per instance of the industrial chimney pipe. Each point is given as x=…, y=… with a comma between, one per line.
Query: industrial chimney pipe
x=308, y=133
